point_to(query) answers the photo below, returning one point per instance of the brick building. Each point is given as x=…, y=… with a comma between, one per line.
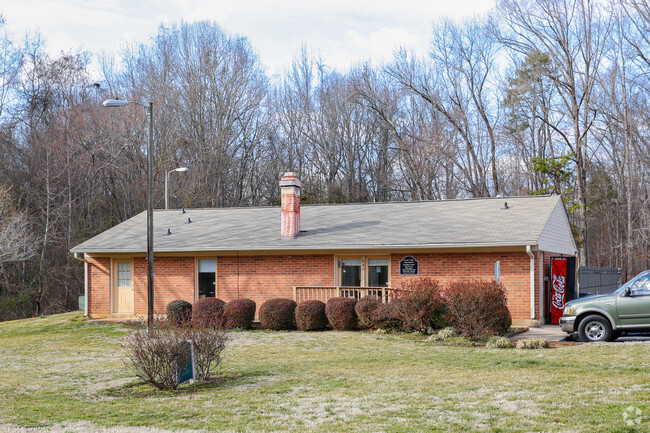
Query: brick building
x=320, y=251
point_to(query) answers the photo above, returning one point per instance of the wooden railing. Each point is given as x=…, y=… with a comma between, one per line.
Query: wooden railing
x=307, y=293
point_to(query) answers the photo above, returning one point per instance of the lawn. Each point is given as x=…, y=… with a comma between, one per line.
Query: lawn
x=62, y=373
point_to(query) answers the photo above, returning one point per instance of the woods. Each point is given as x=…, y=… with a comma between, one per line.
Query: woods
x=540, y=96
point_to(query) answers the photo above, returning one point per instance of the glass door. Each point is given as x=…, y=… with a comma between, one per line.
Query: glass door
x=206, y=278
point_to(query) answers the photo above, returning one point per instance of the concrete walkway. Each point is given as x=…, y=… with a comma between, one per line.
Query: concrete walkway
x=549, y=332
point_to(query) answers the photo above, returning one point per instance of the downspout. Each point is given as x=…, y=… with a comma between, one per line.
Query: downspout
x=81, y=258
x=532, y=281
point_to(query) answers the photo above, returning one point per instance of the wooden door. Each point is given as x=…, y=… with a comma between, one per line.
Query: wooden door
x=123, y=288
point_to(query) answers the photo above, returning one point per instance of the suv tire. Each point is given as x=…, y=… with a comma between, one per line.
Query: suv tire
x=595, y=328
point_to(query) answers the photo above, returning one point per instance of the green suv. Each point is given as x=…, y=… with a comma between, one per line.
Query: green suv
x=606, y=317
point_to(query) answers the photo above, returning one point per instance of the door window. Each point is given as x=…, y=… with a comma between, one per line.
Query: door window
x=351, y=272
x=123, y=274
x=377, y=272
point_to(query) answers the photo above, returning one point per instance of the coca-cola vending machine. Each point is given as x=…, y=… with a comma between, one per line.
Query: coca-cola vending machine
x=562, y=283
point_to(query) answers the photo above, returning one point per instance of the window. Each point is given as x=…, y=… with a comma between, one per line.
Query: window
x=351, y=272
x=364, y=271
x=123, y=274
x=377, y=272
x=206, y=278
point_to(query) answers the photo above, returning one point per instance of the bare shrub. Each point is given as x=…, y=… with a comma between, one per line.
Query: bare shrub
x=155, y=359
x=477, y=309
x=420, y=305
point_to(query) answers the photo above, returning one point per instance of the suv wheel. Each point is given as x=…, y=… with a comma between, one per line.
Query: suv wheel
x=595, y=328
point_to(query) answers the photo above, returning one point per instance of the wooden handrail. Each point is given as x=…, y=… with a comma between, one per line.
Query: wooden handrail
x=323, y=293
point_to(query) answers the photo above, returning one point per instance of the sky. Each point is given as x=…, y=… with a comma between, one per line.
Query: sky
x=343, y=32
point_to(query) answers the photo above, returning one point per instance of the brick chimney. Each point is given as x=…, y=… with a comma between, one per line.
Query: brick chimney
x=290, y=221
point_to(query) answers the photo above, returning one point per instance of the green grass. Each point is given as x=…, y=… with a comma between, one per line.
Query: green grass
x=61, y=373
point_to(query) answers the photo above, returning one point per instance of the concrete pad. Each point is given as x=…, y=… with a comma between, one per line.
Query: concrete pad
x=549, y=332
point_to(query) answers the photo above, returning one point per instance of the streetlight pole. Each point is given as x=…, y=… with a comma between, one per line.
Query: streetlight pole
x=167, y=181
x=150, y=169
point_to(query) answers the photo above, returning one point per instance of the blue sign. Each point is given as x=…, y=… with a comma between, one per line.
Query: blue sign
x=408, y=266
x=185, y=370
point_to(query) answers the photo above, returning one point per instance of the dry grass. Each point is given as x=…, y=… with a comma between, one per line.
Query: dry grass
x=63, y=374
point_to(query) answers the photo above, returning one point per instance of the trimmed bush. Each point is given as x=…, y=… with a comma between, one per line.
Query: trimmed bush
x=420, y=305
x=179, y=312
x=365, y=309
x=532, y=343
x=340, y=313
x=208, y=313
x=310, y=316
x=278, y=314
x=386, y=317
x=239, y=313
x=477, y=309
x=499, y=343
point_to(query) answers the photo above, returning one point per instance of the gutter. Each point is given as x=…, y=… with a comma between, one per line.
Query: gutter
x=80, y=257
x=532, y=281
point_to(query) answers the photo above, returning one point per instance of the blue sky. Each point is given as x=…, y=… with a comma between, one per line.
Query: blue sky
x=343, y=31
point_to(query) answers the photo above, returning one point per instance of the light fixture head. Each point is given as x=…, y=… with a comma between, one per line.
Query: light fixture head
x=115, y=103
x=182, y=169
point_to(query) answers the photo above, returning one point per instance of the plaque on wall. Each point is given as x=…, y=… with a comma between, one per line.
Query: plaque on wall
x=408, y=266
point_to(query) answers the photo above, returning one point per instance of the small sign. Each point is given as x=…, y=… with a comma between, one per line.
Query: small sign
x=497, y=271
x=408, y=266
x=185, y=370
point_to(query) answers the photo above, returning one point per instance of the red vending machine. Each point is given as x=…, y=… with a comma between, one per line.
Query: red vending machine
x=561, y=285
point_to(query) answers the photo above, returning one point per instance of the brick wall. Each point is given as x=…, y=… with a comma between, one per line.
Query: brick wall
x=261, y=278
x=265, y=277
x=447, y=267
x=99, y=286
x=173, y=279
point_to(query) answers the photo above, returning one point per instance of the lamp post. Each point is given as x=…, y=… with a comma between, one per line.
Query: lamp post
x=149, y=108
x=167, y=181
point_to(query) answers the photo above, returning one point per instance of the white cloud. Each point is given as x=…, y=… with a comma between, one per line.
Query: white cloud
x=344, y=31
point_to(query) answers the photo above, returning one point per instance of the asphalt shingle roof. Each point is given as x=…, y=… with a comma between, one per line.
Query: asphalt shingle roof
x=424, y=224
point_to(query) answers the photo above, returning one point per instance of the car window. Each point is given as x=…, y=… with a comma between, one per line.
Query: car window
x=641, y=287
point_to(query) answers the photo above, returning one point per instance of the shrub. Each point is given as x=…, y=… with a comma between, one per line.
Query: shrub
x=499, y=343
x=179, y=312
x=477, y=309
x=420, y=305
x=239, y=313
x=310, y=316
x=208, y=313
x=340, y=313
x=365, y=309
x=443, y=334
x=532, y=343
x=278, y=314
x=155, y=359
x=386, y=317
